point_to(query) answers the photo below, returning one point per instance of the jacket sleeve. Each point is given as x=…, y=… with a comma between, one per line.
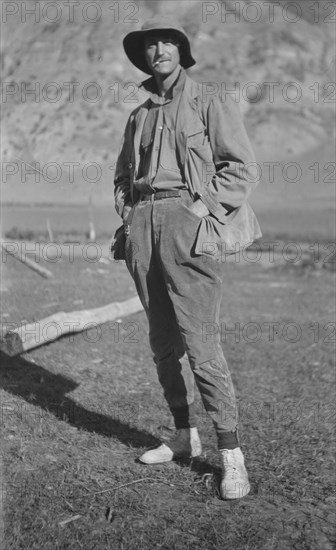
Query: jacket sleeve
x=235, y=164
x=122, y=178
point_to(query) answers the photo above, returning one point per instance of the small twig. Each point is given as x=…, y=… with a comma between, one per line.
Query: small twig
x=65, y=521
x=30, y=165
x=132, y=483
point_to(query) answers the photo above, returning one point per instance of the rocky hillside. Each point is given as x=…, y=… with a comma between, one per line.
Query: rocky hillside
x=68, y=87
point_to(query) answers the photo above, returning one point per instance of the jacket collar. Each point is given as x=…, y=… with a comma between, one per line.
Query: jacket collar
x=150, y=86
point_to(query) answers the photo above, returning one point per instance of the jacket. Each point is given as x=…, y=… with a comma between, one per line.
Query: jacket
x=217, y=162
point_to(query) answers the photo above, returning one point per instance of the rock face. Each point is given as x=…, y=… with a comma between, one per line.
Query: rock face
x=68, y=87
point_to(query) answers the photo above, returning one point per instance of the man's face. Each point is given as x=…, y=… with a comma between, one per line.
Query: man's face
x=162, y=54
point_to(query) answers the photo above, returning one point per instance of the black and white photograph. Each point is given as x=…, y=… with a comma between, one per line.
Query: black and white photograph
x=168, y=261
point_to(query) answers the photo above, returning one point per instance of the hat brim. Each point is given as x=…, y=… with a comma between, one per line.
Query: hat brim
x=134, y=43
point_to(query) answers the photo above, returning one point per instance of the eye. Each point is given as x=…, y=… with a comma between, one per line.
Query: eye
x=171, y=42
x=150, y=42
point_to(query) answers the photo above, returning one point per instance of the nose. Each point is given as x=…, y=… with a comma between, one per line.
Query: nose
x=159, y=48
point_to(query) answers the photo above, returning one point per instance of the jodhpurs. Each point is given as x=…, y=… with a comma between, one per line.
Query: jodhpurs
x=181, y=293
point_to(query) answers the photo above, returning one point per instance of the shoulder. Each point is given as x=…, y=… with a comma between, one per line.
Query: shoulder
x=134, y=114
x=192, y=87
x=210, y=94
x=211, y=89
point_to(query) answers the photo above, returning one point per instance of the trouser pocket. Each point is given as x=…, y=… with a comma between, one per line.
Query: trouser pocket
x=190, y=212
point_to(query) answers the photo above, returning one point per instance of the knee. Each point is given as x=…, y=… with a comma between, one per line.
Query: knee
x=211, y=368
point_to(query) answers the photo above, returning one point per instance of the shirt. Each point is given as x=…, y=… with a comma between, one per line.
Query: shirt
x=159, y=166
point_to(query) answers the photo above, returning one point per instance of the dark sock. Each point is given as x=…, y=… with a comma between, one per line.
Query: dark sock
x=228, y=440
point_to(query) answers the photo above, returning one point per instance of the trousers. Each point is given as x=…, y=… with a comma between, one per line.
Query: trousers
x=181, y=295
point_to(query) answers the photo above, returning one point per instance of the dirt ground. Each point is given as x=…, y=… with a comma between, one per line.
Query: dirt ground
x=77, y=413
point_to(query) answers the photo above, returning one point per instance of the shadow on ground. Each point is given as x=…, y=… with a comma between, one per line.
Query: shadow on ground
x=46, y=390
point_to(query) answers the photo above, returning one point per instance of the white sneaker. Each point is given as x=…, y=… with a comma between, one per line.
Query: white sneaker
x=185, y=444
x=235, y=483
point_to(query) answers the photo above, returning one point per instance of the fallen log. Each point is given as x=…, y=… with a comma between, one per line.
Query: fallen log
x=51, y=328
x=17, y=253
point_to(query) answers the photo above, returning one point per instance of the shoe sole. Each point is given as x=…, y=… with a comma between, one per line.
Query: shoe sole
x=244, y=493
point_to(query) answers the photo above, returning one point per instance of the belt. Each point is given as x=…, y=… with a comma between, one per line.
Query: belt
x=158, y=195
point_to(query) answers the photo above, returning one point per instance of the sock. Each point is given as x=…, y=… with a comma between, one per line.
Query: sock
x=228, y=440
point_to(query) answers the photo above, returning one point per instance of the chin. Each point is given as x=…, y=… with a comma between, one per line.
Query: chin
x=164, y=71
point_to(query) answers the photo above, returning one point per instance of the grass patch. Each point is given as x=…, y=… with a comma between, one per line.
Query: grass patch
x=77, y=413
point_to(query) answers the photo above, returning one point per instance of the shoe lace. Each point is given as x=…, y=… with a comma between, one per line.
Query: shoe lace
x=231, y=469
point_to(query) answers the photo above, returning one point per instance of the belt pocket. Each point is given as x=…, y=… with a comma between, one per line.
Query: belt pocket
x=130, y=217
x=118, y=242
x=193, y=214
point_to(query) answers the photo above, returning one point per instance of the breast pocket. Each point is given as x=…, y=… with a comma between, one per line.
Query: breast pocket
x=168, y=157
x=196, y=136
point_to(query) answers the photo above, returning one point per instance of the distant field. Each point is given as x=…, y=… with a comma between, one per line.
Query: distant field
x=302, y=210
x=313, y=221
x=72, y=220
x=288, y=208
x=279, y=219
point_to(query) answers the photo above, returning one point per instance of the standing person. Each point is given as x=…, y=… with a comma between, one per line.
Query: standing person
x=181, y=182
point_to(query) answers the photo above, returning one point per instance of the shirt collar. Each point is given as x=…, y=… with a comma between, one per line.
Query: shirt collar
x=150, y=86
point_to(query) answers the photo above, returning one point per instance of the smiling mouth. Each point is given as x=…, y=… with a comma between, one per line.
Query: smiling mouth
x=161, y=61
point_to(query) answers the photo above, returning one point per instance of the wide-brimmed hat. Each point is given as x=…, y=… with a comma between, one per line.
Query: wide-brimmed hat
x=134, y=42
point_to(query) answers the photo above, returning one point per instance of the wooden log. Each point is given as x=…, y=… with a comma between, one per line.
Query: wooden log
x=51, y=328
x=14, y=249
